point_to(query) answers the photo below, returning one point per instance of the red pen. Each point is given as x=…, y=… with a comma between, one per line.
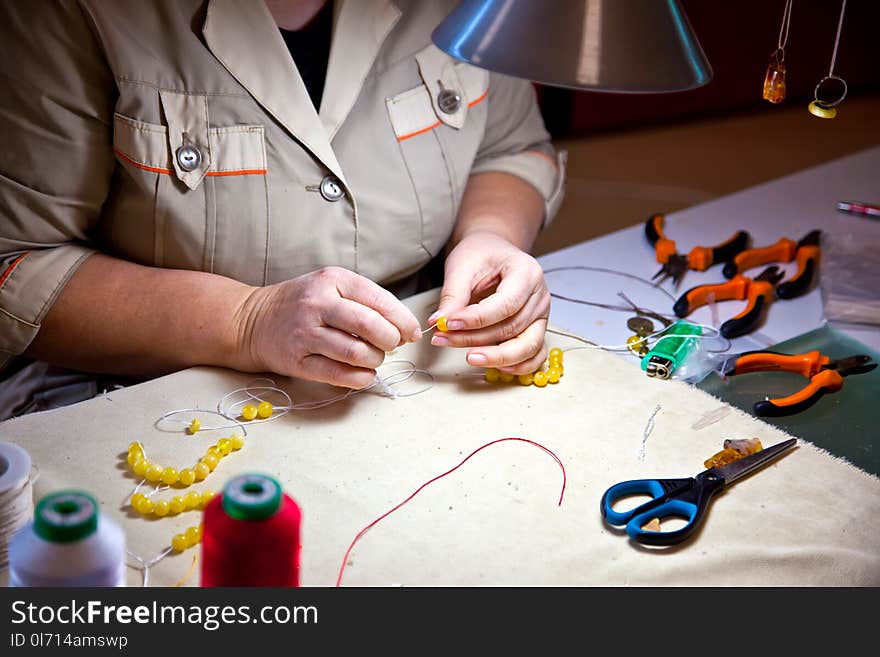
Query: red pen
x=857, y=207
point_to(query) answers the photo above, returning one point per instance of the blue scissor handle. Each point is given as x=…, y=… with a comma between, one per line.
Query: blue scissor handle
x=682, y=498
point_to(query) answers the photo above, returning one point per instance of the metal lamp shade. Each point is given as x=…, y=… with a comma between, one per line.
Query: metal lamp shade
x=629, y=46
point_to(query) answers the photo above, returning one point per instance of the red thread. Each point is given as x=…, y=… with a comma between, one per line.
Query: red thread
x=440, y=476
x=251, y=552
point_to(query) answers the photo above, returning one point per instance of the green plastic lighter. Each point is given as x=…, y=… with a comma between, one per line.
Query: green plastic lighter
x=670, y=349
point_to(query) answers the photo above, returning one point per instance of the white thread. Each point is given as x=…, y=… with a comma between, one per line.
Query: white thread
x=649, y=427
x=264, y=389
x=96, y=558
x=657, y=334
x=17, y=476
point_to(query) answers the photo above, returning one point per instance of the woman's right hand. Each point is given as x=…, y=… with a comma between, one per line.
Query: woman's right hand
x=330, y=325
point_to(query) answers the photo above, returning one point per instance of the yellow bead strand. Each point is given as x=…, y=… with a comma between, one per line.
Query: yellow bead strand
x=540, y=378
x=192, y=501
x=192, y=536
x=156, y=474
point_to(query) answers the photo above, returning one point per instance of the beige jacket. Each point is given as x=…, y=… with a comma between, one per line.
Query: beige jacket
x=179, y=134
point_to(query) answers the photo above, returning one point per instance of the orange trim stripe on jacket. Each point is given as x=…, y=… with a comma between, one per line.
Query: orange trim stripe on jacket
x=239, y=172
x=422, y=131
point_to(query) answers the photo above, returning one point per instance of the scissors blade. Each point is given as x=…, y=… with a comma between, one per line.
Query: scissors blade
x=744, y=466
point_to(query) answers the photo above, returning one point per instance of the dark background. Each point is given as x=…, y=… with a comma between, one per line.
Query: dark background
x=738, y=38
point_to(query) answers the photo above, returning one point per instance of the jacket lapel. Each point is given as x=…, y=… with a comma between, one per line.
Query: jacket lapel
x=360, y=28
x=243, y=36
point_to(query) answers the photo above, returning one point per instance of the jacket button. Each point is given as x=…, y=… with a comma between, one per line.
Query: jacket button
x=331, y=188
x=448, y=101
x=189, y=157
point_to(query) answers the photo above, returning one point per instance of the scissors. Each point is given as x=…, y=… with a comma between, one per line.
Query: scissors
x=680, y=498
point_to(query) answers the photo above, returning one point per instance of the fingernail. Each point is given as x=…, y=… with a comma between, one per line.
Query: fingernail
x=477, y=359
x=439, y=341
x=455, y=324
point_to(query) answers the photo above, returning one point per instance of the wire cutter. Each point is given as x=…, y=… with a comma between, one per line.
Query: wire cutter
x=678, y=498
x=759, y=291
x=825, y=375
x=700, y=258
x=807, y=252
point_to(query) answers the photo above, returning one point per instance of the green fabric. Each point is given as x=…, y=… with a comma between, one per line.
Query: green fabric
x=844, y=423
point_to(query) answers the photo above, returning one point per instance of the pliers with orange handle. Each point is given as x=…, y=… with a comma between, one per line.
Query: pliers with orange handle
x=759, y=291
x=825, y=376
x=700, y=258
x=806, y=251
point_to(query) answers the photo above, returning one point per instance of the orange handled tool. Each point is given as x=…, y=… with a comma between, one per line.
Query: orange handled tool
x=700, y=258
x=825, y=375
x=759, y=291
x=806, y=251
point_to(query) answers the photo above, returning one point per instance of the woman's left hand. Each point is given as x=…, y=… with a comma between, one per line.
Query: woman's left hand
x=496, y=303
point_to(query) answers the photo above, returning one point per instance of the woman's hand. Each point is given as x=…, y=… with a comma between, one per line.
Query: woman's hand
x=496, y=303
x=330, y=325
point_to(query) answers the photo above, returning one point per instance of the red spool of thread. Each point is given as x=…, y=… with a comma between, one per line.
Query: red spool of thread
x=251, y=535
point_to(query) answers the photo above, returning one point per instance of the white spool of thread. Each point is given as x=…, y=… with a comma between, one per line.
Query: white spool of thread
x=16, y=495
x=68, y=543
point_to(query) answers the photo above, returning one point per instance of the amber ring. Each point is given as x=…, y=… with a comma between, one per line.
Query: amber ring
x=827, y=109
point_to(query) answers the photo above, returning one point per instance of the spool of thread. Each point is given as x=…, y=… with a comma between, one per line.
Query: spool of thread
x=69, y=542
x=16, y=495
x=251, y=535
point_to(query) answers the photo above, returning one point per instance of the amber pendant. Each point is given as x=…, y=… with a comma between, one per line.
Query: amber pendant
x=774, y=82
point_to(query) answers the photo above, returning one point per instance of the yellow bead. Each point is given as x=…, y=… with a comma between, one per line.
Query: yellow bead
x=186, y=477
x=539, y=379
x=140, y=467
x=169, y=476
x=195, y=425
x=144, y=506
x=201, y=470
x=249, y=411
x=179, y=543
x=237, y=441
x=136, y=498
x=556, y=353
x=207, y=496
x=224, y=445
x=506, y=377
x=264, y=410
x=216, y=451
x=525, y=379
x=200, y=530
x=161, y=508
x=553, y=375
x=192, y=536
x=192, y=499
x=135, y=445
x=823, y=111
x=177, y=505
x=492, y=375
x=554, y=361
x=441, y=324
x=134, y=456
x=210, y=460
x=154, y=472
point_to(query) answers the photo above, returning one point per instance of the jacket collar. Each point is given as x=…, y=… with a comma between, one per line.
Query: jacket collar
x=243, y=36
x=360, y=28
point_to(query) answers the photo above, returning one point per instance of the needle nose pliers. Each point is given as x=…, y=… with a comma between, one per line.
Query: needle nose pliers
x=759, y=291
x=807, y=252
x=700, y=258
x=825, y=375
